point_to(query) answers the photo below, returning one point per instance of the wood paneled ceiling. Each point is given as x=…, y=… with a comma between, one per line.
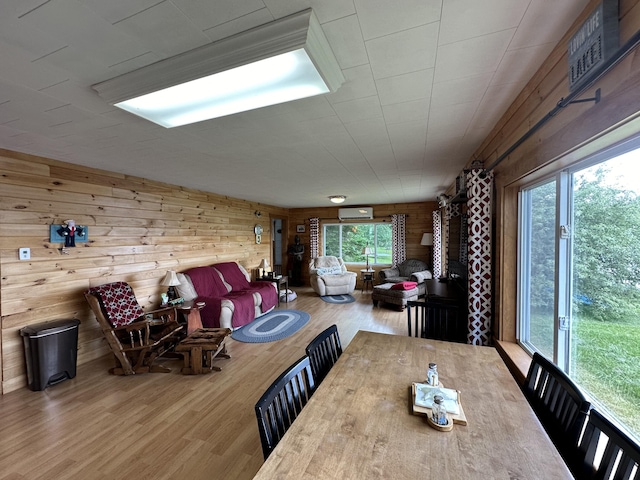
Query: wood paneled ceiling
x=426, y=82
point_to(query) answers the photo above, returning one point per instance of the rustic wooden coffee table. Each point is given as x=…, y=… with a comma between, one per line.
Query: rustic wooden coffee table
x=200, y=349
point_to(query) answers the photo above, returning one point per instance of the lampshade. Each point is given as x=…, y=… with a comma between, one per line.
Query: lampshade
x=170, y=279
x=338, y=198
x=367, y=250
x=427, y=239
x=264, y=264
x=278, y=62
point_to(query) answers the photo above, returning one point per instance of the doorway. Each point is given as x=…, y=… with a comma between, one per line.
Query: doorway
x=277, y=228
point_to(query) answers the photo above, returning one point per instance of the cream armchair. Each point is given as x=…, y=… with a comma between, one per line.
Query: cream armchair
x=329, y=276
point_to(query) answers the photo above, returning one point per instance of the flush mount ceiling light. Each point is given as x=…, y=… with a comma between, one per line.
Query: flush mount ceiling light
x=337, y=198
x=278, y=62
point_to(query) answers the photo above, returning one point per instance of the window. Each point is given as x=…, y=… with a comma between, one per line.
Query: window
x=579, y=277
x=346, y=240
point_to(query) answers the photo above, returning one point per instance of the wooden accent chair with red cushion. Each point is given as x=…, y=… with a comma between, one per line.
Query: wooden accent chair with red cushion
x=135, y=338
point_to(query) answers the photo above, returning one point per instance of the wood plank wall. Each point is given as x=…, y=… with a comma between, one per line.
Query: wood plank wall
x=580, y=128
x=138, y=229
x=419, y=221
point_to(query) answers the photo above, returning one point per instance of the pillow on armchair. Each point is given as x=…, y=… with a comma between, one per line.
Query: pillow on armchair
x=335, y=270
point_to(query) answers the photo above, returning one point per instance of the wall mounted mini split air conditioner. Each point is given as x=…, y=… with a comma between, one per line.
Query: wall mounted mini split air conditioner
x=357, y=213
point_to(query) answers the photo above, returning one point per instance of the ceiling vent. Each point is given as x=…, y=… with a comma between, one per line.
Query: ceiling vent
x=355, y=213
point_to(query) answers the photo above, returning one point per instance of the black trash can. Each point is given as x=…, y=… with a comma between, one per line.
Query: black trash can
x=51, y=351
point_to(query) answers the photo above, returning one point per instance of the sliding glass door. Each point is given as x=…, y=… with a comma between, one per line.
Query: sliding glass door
x=579, y=274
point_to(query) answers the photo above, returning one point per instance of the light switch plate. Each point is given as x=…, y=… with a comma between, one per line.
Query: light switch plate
x=25, y=253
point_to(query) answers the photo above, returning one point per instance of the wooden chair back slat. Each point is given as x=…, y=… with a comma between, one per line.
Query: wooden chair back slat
x=436, y=320
x=607, y=452
x=559, y=404
x=282, y=402
x=323, y=352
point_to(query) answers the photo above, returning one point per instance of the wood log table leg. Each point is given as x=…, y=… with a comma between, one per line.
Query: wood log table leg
x=194, y=321
x=196, y=359
x=221, y=352
x=186, y=362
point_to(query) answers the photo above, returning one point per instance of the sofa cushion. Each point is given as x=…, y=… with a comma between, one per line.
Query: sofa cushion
x=186, y=289
x=233, y=275
x=395, y=279
x=207, y=282
x=333, y=280
x=243, y=307
x=404, y=286
x=268, y=293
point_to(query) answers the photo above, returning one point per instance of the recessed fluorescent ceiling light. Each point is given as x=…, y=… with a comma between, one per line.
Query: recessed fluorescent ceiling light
x=275, y=63
x=286, y=77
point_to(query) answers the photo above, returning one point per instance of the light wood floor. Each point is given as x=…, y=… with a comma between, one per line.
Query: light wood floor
x=166, y=426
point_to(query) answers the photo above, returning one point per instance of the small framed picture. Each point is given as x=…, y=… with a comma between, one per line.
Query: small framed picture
x=299, y=228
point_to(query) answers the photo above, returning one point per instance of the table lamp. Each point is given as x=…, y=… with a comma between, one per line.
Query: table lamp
x=171, y=280
x=264, y=264
x=366, y=251
x=427, y=241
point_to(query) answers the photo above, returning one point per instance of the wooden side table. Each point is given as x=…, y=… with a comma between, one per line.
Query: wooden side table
x=191, y=310
x=200, y=349
x=367, y=278
x=280, y=281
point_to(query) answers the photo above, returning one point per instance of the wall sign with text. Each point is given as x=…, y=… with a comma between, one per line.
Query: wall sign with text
x=593, y=44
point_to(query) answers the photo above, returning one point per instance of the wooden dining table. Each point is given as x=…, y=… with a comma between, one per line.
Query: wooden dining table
x=359, y=424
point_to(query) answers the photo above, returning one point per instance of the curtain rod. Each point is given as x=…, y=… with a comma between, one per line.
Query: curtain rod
x=565, y=101
x=336, y=218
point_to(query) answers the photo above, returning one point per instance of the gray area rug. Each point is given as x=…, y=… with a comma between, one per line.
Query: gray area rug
x=272, y=326
x=338, y=298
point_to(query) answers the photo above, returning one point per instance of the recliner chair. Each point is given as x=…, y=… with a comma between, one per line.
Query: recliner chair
x=329, y=276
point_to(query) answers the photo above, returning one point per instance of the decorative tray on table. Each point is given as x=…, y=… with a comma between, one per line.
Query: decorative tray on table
x=421, y=398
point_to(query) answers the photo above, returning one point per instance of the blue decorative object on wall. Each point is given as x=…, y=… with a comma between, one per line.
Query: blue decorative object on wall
x=55, y=237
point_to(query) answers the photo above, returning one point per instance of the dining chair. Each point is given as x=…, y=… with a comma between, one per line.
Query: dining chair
x=607, y=452
x=282, y=402
x=560, y=406
x=436, y=320
x=323, y=352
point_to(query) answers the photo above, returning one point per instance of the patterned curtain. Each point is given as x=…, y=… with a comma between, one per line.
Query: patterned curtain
x=437, y=244
x=479, y=194
x=314, y=233
x=399, y=234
